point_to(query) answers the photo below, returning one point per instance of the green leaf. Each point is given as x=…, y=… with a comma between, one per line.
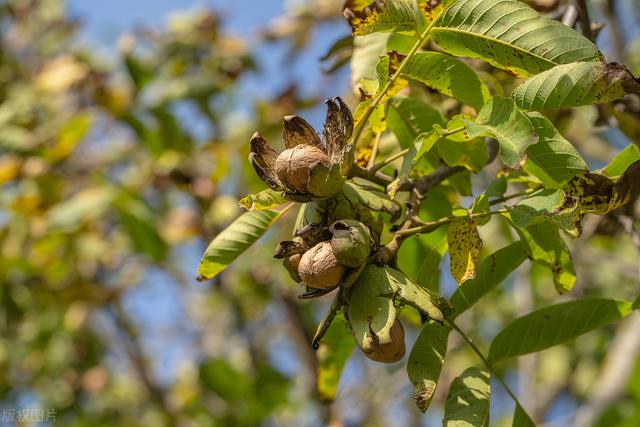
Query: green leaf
x=422, y=144
x=373, y=198
x=492, y=271
x=501, y=119
x=425, y=362
x=234, y=240
x=85, y=205
x=459, y=149
x=468, y=400
x=546, y=247
x=464, y=248
x=266, y=199
x=398, y=16
x=449, y=76
x=622, y=161
x=335, y=348
x=223, y=379
x=521, y=418
x=409, y=117
x=137, y=219
x=481, y=205
x=366, y=54
x=554, y=325
x=510, y=35
x=553, y=160
x=636, y=304
x=549, y=204
x=575, y=84
x=429, y=272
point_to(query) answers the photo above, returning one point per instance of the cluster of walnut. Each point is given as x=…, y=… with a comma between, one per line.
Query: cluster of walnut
x=327, y=254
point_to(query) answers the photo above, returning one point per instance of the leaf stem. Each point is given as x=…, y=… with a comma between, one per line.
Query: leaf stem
x=417, y=45
x=385, y=162
x=512, y=196
x=430, y=226
x=486, y=363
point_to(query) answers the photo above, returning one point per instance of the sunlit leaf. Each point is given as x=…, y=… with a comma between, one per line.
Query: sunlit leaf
x=335, y=348
x=549, y=204
x=553, y=159
x=234, y=240
x=266, y=199
x=546, y=247
x=521, y=418
x=510, y=35
x=468, y=400
x=87, y=204
x=384, y=16
x=447, y=75
x=422, y=144
x=492, y=271
x=425, y=362
x=575, y=84
x=409, y=117
x=554, y=325
x=501, y=119
x=622, y=161
x=464, y=248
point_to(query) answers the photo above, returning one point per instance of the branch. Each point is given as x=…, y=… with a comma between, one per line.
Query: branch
x=585, y=22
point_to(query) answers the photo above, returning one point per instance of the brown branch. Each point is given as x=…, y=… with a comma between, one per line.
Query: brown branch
x=585, y=22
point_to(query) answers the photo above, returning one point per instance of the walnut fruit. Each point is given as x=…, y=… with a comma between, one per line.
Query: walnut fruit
x=291, y=263
x=293, y=166
x=319, y=267
x=391, y=352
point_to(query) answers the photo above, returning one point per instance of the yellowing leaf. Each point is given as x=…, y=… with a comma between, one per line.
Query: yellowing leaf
x=464, y=248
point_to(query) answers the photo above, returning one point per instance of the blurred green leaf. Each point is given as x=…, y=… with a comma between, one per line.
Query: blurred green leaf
x=334, y=351
x=220, y=377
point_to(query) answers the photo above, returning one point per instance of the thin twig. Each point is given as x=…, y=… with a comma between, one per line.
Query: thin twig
x=417, y=45
x=486, y=363
x=585, y=22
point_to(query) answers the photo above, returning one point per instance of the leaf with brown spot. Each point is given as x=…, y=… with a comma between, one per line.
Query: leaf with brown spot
x=399, y=16
x=464, y=248
x=425, y=362
x=576, y=84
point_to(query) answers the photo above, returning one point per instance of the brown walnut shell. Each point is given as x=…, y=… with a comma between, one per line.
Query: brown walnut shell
x=391, y=352
x=293, y=166
x=319, y=268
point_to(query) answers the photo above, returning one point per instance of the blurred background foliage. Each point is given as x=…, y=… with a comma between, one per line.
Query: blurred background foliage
x=117, y=170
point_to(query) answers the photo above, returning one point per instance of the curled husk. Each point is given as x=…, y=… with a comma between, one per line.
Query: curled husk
x=350, y=242
x=319, y=268
x=390, y=352
x=310, y=168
